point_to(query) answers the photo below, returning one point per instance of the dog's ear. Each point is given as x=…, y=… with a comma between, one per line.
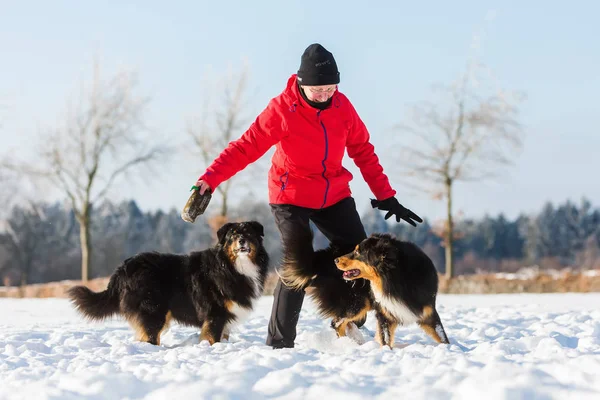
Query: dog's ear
x=223, y=231
x=257, y=226
x=389, y=256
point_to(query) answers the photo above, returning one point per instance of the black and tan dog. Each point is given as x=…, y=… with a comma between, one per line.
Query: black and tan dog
x=396, y=279
x=210, y=289
x=404, y=284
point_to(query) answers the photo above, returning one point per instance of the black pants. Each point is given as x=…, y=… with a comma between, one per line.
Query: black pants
x=340, y=223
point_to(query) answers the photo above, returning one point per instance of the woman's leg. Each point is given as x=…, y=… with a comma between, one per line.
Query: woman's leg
x=341, y=224
x=293, y=222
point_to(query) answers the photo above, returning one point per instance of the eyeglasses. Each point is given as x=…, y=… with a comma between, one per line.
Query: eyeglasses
x=318, y=90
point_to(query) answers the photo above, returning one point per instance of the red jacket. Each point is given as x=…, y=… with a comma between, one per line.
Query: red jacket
x=307, y=166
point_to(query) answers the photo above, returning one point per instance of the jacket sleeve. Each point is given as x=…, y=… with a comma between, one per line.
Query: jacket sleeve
x=262, y=134
x=362, y=152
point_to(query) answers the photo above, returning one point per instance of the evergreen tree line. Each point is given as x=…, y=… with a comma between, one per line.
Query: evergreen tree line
x=40, y=242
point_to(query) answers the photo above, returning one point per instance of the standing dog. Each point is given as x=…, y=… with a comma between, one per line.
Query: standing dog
x=210, y=289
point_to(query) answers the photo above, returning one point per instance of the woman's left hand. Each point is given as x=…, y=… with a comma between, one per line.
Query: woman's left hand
x=393, y=207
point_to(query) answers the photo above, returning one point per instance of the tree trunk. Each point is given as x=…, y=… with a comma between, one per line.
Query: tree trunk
x=23, y=284
x=86, y=247
x=449, y=231
x=224, y=205
x=24, y=279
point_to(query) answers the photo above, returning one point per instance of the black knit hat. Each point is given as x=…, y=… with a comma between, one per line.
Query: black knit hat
x=318, y=67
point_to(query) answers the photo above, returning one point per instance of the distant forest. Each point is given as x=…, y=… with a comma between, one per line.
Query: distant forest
x=40, y=242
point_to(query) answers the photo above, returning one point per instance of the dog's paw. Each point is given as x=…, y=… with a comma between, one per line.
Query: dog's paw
x=354, y=333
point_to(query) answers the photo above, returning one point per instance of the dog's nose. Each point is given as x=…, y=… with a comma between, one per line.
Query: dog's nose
x=242, y=241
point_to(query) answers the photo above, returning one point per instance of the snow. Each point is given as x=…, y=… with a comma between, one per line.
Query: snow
x=514, y=346
x=535, y=271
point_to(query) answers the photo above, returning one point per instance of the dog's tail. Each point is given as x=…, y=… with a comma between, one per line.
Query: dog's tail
x=297, y=268
x=97, y=306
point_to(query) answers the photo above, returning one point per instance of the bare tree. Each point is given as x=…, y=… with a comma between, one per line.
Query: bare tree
x=467, y=134
x=103, y=138
x=219, y=124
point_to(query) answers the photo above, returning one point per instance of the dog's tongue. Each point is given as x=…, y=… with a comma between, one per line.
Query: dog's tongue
x=351, y=273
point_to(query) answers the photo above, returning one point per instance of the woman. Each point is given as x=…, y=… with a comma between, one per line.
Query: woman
x=311, y=124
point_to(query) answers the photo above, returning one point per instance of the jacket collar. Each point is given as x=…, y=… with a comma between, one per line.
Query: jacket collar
x=292, y=92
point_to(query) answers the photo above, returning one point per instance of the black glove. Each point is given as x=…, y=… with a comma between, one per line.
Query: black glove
x=392, y=207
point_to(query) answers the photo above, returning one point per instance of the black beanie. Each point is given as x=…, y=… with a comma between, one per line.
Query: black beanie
x=318, y=67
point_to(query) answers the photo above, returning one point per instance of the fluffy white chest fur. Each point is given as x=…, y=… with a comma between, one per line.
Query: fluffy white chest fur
x=395, y=307
x=245, y=266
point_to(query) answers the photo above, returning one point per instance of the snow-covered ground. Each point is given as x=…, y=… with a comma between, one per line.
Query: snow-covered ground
x=503, y=347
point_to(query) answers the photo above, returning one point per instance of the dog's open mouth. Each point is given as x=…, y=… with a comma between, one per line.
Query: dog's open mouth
x=243, y=249
x=351, y=273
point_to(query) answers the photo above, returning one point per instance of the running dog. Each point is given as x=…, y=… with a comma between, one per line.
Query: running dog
x=396, y=279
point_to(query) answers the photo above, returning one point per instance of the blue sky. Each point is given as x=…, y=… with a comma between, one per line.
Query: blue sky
x=389, y=54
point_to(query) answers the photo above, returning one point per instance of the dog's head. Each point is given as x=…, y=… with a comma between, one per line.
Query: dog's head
x=371, y=258
x=241, y=239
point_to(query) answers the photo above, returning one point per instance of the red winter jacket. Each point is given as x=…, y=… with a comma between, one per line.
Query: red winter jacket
x=307, y=166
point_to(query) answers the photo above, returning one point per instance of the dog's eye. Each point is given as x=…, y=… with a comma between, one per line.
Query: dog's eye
x=356, y=253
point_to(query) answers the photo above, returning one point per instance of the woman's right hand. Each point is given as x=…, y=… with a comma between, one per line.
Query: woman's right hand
x=202, y=186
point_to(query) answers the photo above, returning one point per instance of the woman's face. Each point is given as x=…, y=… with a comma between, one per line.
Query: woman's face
x=319, y=94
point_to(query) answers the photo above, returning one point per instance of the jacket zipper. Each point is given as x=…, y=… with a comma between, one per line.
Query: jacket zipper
x=324, y=158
